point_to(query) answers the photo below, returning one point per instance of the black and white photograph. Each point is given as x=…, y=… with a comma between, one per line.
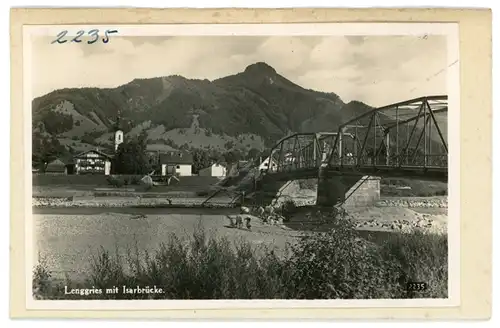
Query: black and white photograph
x=239, y=162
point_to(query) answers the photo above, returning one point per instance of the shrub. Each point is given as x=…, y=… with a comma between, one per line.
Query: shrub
x=337, y=264
x=204, y=268
x=41, y=280
x=135, y=180
x=288, y=209
x=423, y=258
x=332, y=265
x=115, y=181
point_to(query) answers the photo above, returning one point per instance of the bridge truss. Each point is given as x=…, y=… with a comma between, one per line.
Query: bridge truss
x=406, y=137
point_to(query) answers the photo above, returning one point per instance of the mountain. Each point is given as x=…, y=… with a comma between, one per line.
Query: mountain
x=251, y=109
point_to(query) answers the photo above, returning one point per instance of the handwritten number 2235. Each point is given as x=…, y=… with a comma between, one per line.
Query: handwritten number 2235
x=93, y=33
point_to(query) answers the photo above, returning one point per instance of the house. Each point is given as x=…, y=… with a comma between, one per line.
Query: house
x=214, y=170
x=93, y=162
x=69, y=162
x=265, y=164
x=56, y=167
x=176, y=163
x=153, y=152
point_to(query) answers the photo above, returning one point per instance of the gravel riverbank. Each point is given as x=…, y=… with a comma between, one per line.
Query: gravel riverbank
x=409, y=202
x=128, y=202
x=416, y=202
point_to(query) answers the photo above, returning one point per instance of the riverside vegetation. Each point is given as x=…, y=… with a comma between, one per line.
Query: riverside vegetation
x=336, y=264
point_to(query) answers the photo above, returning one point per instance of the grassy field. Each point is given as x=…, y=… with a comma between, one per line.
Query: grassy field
x=417, y=188
x=91, y=182
x=336, y=264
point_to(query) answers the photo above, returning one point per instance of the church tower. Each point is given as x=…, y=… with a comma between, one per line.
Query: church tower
x=118, y=132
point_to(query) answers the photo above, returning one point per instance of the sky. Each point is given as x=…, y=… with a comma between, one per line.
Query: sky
x=377, y=70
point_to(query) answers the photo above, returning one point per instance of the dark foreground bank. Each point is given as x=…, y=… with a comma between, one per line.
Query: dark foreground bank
x=338, y=264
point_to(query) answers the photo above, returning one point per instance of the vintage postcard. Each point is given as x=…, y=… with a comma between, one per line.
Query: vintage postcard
x=242, y=166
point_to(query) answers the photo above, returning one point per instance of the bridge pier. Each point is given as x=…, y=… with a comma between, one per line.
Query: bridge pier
x=360, y=191
x=331, y=190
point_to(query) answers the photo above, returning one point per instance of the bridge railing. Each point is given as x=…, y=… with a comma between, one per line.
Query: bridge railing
x=429, y=160
x=300, y=151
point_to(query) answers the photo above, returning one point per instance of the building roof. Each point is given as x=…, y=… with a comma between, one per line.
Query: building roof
x=92, y=151
x=176, y=157
x=214, y=165
x=159, y=148
x=67, y=159
x=224, y=164
x=56, y=166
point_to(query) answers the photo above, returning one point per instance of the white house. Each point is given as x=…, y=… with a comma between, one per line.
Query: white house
x=265, y=164
x=176, y=163
x=214, y=170
x=93, y=162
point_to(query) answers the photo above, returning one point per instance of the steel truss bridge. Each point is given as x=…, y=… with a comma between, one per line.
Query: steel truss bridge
x=405, y=139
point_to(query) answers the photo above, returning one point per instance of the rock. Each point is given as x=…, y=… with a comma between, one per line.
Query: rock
x=269, y=209
x=147, y=180
x=260, y=211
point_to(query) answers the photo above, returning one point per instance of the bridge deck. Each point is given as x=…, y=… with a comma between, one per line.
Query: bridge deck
x=413, y=172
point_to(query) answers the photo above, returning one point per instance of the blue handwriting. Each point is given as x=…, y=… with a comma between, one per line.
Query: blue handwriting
x=94, y=36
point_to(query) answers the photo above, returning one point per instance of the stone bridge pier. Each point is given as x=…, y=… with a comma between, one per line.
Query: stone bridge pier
x=352, y=190
x=360, y=191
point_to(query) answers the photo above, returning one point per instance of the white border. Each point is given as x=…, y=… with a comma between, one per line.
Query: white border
x=311, y=29
x=448, y=29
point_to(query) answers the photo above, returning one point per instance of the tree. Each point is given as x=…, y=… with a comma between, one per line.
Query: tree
x=217, y=157
x=229, y=145
x=88, y=139
x=131, y=158
x=143, y=138
x=45, y=149
x=201, y=159
x=232, y=156
x=253, y=153
x=265, y=153
x=56, y=122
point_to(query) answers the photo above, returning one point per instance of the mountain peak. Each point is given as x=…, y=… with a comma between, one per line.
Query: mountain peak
x=260, y=68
